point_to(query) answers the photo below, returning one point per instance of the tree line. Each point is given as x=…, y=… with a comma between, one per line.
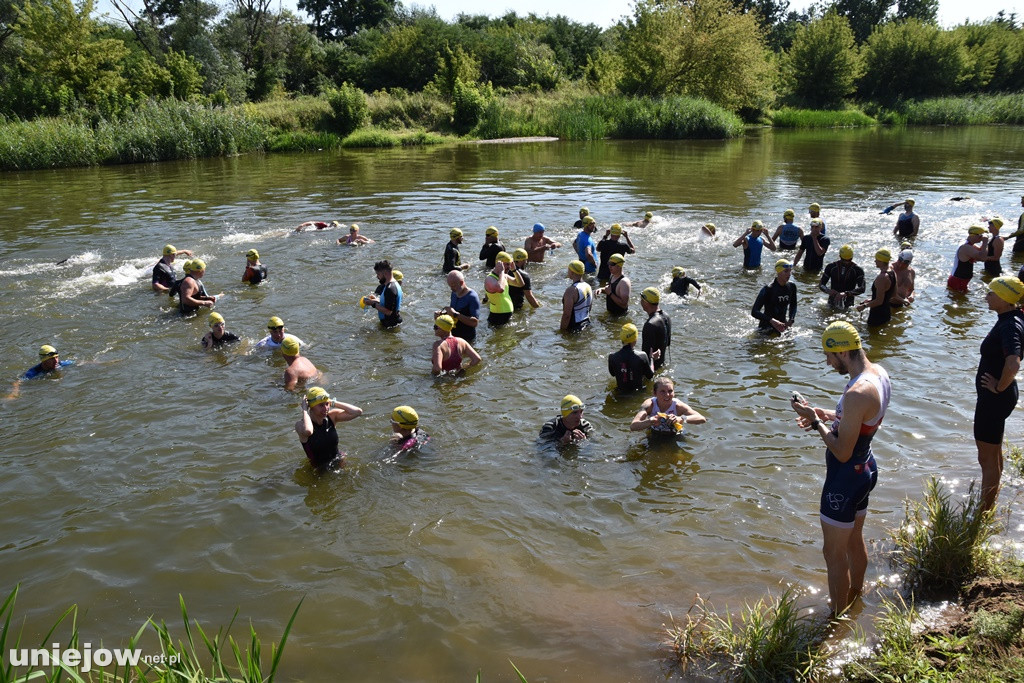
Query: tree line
x=748, y=56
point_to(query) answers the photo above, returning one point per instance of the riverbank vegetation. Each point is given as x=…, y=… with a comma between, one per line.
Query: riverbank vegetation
x=268, y=78
x=943, y=551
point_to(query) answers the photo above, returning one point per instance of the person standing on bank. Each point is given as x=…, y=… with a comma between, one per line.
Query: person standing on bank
x=775, y=307
x=497, y=283
x=996, y=382
x=881, y=291
x=814, y=246
x=609, y=246
x=618, y=288
x=657, y=332
x=576, y=300
x=316, y=428
x=452, y=256
x=752, y=241
x=163, y=271
x=525, y=291
x=850, y=469
x=491, y=247
x=389, y=303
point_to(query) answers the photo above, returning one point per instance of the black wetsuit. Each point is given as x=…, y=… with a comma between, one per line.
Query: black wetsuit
x=606, y=248
x=681, y=285
x=200, y=293
x=630, y=368
x=881, y=314
x=163, y=274
x=226, y=338
x=657, y=335
x=322, y=446
x=813, y=262
x=1005, y=339
x=518, y=294
x=490, y=251
x=389, y=299
x=256, y=275
x=554, y=429
x=845, y=276
x=614, y=308
x=452, y=258
x=993, y=268
x=905, y=225
x=773, y=302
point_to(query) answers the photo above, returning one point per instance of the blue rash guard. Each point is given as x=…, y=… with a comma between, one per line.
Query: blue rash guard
x=583, y=241
x=37, y=370
x=752, y=252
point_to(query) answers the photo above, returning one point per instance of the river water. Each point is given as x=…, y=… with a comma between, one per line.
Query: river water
x=153, y=468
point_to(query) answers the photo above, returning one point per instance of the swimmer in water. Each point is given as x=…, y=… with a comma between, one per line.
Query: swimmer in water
x=618, y=288
x=663, y=413
x=680, y=283
x=354, y=238
x=842, y=279
x=609, y=246
x=405, y=427
x=449, y=352
x=524, y=292
x=995, y=247
x=218, y=336
x=881, y=291
x=464, y=306
x=630, y=368
x=389, y=303
x=648, y=217
x=752, y=241
x=775, y=307
x=537, y=245
x=708, y=230
x=656, y=336
x=49, y=362
x=569, y=427
x=908, y=222
x=255, y=272
x=319, y=225
x=492, y=247
x=814, y=247
x=452, y=256
x=584, y=212
x=274, y=339
x=191, y=292
x=905, y=276
x=163, y=271
x=497, y=284
x=788, y=234
x=972, y=250
x=316, y=428
x=299, y=369
x=577, y=300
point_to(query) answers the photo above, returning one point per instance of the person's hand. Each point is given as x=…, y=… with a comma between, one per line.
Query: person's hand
x=989, y=381
x=656, y=354
x=806, y=412
x=578, y=435
x=305, y=404
x=778, y=325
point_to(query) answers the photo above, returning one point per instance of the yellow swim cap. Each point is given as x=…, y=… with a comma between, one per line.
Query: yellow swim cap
x=187, y=266
x=570, y=404
x=404, y=416
x=503, y=257
x=1009, y=289
x=353, y=228
x=814, y=207
x=817, y=223
x=336, y=224
x=47, y=351
x=757, y=225
x=253, y=254
x=910, y=201
x=445, y=322
x=840, y=336
x=584, y=211
x=491, y=231
x=216, y=318
x=169, y=249
x=317, y=395
x=454, y=232
x=906, y=244
x=397, y=275
x=996, y=221
x=577, y=267
x=616, y=259
x=520, y=255
x=274, y=322
x=883, y=255
x=648, y=215
x=711, y=227
x=789, y=213
x=198, y=264
x=629, y=333
x=651, y=295
x=678, y=271
x=976, y=230
x=589, y=220
x=616, y=229
x=290, y=346
x=783, y=264
x=846, y=252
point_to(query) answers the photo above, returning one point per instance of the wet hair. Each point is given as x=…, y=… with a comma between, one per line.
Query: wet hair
x=661, y=381
x=382, y=265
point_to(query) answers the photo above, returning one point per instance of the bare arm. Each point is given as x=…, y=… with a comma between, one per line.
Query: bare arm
x=304, y=427
x=468, y=351
x=188, y=296
x=343, y=412
x=568, y=300
x=690, y=416
x=531, y=298
x=859, y=402
x=881, y=293
x=769, y=242
x=641, y=420
x=621, y=294
x=437, y=358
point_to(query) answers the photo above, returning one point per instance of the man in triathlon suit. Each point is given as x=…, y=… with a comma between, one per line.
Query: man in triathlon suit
x=273, y=340
x=163, y=271
x=618, y=288
x=354, y=238
x=576, y=300
x=316, y=428
x=851, y=472
x=218, y=336
x=452, y=257
x=680, y=283
x=537, y=245
x=974, y=249
x=657, y=332
x=497, y=284
x=191, y=293
x=522, y=293
x=881, y=290
x=255, y=272
x=908, y=222
x=903, y=295
x=995, y=248
x=464, y=306
x=389, y=303
x=609, y=246
x=586, y=247
x=842, y=279
x=752, y=241
x=775, y=307
x=449, y=351
x=569, y=427
x=630, y=368
x=299, y=368
x=814, y=246
x=491, y=247
x=788, y=235
x=664, y=414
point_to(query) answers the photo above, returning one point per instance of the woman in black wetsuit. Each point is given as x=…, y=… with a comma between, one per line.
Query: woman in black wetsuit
x=997, y=389
x=319, y=438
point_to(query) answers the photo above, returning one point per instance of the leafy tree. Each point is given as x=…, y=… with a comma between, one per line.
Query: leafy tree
x=513, y=56
x=340, y=18
x=773, y=16
x=573, y=44
x=923, y=10
x=995, y=56
x=863, y=15
x=350, y=109
x=454, y=65
x=910, y=60
x=823, y=65
x=703, y=48
x=8, y=14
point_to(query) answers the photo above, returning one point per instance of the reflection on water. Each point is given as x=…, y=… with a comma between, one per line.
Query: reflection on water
x=152, y=468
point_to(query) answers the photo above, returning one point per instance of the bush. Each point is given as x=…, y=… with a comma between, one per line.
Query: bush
x=823, y=66
x=500, y=120
x=399, y=109
x=301, y=113
x=911, y=60
x=349, y=109
x=468, y=105
x=810, y=118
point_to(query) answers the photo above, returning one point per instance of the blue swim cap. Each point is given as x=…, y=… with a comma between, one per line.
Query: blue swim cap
x=538, y=227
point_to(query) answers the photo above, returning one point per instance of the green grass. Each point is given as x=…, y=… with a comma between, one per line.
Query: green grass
x=941, y=545
x=303, y=141
x=374, y=137
x=958, y=111
x=299, y=114
x=1013, y=457
x=814, y=118
x=399, y=109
